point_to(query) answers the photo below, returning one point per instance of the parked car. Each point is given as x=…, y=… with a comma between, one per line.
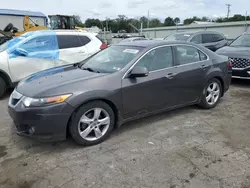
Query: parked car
x=40, y=50
x=132, y=39
x=210, y=39
x=119, y=84
x=239, y=53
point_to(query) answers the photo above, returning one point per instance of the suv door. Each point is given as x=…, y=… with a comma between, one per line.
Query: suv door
x=33, y=55
x=71, y=49
x=213, y=41
x=191, y=67
x=147, y=94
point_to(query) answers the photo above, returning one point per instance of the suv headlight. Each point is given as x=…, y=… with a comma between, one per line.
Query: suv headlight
x=29, y=102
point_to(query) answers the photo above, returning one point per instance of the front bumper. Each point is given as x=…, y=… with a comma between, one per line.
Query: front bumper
x=44, y=123
x=241, y=73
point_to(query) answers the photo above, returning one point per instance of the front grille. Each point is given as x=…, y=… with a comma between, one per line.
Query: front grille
x=240, y=63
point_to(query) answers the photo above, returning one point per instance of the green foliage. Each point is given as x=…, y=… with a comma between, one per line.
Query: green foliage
x=124, y=23
x=78, y=21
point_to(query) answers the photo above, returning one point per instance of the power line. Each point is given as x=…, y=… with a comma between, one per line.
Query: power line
x=228, y=9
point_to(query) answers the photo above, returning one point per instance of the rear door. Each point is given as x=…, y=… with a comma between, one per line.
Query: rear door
x=71, y=49
x=191, y=67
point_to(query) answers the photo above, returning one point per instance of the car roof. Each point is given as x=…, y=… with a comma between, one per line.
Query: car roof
x=68, y=32
x=151, y=43
x=198, y=32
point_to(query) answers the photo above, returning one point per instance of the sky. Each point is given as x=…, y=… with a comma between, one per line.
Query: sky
x=103, y=9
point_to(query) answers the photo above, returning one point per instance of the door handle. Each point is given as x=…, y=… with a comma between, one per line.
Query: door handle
x=204, y=66
x=81, y=52
x=171, y=75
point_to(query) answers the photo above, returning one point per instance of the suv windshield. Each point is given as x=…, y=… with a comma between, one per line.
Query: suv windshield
x=243, y=40
x=178, y=37
x=111, y=59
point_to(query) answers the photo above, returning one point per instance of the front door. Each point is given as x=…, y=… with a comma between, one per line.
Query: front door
x=34, y=55
x=153, y=92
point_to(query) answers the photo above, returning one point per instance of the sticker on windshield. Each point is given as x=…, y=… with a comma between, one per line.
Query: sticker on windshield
x=133, y=51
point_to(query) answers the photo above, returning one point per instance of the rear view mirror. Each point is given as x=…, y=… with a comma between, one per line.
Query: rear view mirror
x=138, y=72
x=21, y=52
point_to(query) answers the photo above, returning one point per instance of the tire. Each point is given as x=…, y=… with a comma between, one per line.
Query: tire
x=8, y=28
x=208, y=94
x=89, y=125
x=3, y=87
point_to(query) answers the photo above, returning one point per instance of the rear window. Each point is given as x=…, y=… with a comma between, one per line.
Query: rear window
x=208, y=38
x=68, y=41
x=84, y=40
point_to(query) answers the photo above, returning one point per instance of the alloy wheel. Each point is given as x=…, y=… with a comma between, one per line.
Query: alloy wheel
x=213, y=93
x=94, y=124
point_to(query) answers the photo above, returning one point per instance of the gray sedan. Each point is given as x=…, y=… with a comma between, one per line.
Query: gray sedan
x=119, y=84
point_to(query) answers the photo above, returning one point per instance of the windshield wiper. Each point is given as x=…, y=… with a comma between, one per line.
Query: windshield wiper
x=90, y=69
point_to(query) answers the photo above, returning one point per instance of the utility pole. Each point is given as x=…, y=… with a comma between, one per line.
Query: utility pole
x=228, y=10
x=148, y=19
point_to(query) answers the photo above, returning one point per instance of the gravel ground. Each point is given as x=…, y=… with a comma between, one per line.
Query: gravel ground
x=185, y=148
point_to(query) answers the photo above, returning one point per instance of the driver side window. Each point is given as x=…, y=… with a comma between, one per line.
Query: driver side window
x=157, y=59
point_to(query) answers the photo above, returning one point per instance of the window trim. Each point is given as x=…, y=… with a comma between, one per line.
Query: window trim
x=173, y=46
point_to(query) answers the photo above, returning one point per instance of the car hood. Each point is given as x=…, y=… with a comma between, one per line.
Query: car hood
x=231, y=51
x=40, y=82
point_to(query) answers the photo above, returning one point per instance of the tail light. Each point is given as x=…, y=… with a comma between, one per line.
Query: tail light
x=230, y=64
x=103, y=46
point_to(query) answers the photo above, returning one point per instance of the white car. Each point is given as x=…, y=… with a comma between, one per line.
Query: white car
x=40, y=50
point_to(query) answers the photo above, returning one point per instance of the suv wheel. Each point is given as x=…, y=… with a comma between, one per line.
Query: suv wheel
x=3, y=87
x=92, y=123
x=211, y=94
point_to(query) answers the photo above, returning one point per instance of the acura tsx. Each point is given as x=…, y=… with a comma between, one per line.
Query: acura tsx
x=124, y=82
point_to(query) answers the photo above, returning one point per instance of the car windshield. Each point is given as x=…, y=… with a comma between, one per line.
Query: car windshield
x=111, y=59
x=243, y=40
x=178, y=37
x=11, y=43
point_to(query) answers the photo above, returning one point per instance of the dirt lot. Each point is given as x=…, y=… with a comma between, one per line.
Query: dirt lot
x=184, y=148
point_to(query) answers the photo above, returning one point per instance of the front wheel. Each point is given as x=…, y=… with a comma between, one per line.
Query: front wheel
x=92, y=123
x=211, y=94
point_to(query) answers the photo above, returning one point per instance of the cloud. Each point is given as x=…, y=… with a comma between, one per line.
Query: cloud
x=135, y=3
x=105, y=5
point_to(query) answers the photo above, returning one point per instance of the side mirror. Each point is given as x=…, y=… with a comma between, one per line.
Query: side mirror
x=138, y=72
x=21, y=52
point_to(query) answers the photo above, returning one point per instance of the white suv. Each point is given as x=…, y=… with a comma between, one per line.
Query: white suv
x=40, y=50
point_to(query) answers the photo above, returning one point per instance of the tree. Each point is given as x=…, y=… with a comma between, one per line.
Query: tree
x=78, y=21
x=144, y=21
x=177, y=20
x=169, y=22
x=191, y=20
x=204, y=19
x=155, y=23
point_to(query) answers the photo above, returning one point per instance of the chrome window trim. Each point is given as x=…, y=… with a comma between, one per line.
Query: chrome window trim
x=170, y=45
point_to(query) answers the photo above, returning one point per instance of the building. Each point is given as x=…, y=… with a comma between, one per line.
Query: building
x=16, y=18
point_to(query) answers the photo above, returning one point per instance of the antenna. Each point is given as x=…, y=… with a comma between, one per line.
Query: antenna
x=228, y=9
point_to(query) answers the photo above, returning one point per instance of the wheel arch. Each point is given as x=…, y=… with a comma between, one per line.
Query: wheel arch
x=109, y=102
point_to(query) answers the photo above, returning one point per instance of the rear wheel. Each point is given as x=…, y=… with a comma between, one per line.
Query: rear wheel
x=211, y=94
x=92, y=123
x=3, y=87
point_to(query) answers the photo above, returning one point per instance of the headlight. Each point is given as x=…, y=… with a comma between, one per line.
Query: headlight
x=28, y=102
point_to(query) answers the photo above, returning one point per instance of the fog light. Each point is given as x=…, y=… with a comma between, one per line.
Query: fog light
x=31, y=130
